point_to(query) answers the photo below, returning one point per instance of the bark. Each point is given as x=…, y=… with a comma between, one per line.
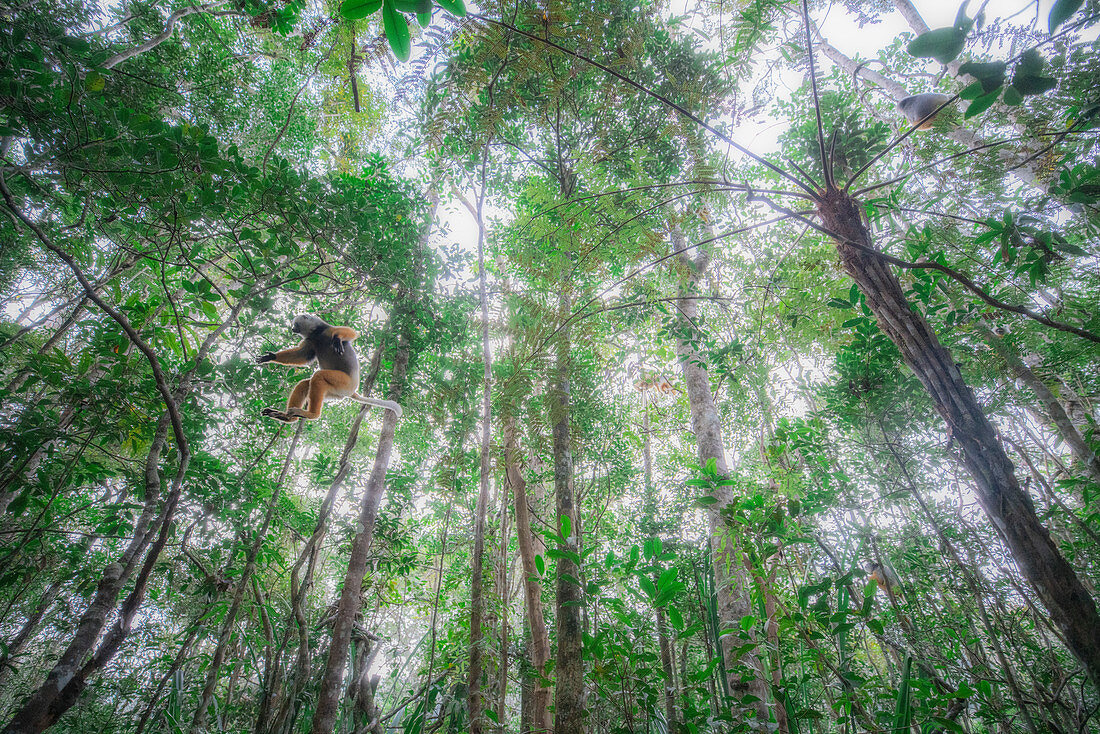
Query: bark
x=27, y=631
x=569, y=707
x=198, y=723
x=532, y=589
x=301, y=583
x=1054, y=412
x=475, y=694
x=363, y=686
x=732, y=582
x=664, y=643
x=1008, y=507
x=328, y=698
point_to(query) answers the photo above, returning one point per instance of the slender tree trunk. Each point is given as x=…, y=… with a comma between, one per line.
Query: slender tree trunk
x=569, y=669
x=1009, y=508
x=1054, y=412
x=532, y=589
x=505, y=586
x=26, y=632
x=301, y=582
x=198, y=723
x=475, y=694
x=664, y=644
x=328, y=698
x=732, y=581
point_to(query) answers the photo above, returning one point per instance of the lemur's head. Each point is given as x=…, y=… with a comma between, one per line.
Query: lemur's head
x=306, y=323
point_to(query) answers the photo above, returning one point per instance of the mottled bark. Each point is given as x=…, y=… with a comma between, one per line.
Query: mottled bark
x=475, y=695
x=532, y=590
x=569, y=669
x=1008, y=507
x=229, y=622
x=328, y=698
x=1052, y=408
x=732, y=581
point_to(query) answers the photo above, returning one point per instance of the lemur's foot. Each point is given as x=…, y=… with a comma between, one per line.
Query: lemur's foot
x=279, y=415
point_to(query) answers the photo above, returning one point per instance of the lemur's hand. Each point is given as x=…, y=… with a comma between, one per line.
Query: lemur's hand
x=337, y=345
x=265, y=357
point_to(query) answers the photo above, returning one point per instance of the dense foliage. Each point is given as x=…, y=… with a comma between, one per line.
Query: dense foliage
x=697, y=434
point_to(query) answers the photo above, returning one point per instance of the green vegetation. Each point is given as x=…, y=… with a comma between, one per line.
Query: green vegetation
x=700, y=433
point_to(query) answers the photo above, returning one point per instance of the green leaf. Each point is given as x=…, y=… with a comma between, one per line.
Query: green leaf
x=356, y=9
x=837, y=303
x=454, y=7
x=1013, y=97
x=1029, y=86
x=676, y=618
x=942, y=44
x=397, y=31
x=991, y=75
x=981, y=104
x=667, y=577
x=1061, y=12
x=566, y=526
x=647, y=586
x=540, y=565
x=406, y=6
x=903, y=710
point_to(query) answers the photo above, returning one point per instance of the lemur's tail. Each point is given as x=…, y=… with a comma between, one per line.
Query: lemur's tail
x=387, y=404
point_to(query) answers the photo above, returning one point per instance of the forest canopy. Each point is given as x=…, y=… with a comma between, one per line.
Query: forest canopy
x=713, y=367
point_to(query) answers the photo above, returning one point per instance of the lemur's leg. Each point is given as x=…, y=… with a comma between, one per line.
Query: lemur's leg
x=322, y=383
x=295, y=401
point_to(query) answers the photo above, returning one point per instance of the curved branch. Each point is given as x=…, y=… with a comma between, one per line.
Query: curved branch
x=169, y=29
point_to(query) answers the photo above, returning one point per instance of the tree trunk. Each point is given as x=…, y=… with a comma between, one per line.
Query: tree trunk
x=198, y=723
x=1009, y=508
x=731, y=578
x=532, y=589
x=664, y=644
x=569, y=669
x=474, y=691
x=1055, y=413
x=328, y=698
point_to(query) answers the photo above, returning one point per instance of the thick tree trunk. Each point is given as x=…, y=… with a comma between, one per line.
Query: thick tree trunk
x=532, y=589
x=569, y=669
x=732, y=581
x=35, y=714
x=1009, y=508
x=328, y=698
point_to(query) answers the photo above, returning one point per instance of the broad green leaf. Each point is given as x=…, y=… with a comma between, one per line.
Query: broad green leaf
x=675, y=618
x=397, y=31
x=991, y=75
x=356, y=9
x=981, y=104
x=941, y=44
x=454, y=7
x=1061, y=12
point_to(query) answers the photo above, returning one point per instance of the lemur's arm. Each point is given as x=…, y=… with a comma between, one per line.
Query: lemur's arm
x=300, y=354
x=339, y=335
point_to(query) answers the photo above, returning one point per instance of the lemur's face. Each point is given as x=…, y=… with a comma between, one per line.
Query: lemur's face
x=304, y=323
